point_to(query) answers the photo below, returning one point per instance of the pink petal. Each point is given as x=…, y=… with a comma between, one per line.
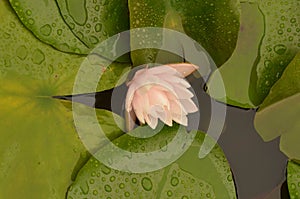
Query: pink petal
x=158, y=97
x=151, y=121
x=188, y=105
x=138, y=104
x=129, y=97
x=182, y=93
x=180, y=119
x=177, y=108
x=174, y=79
x=164, y=69
x=129, y=120
x=184, y=69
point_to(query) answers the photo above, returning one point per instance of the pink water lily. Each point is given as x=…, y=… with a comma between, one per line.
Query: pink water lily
x=160, y=92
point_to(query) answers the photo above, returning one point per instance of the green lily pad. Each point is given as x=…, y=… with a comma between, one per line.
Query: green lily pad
x=213, y=24
x=43, y=19
x=279, y=113
x=39, y=146
x=279, y=45
x=293, y=179
x=187, y=177
x=236, y=71
x=95, y=21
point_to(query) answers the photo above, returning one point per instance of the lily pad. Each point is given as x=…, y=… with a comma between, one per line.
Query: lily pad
x=187, y=177
x=236, y=71
x=293, y=179
x=279, y=113
x=279, y=45
x=213, y=24
x=95, y=21
x=39, y=146
x=45, y=22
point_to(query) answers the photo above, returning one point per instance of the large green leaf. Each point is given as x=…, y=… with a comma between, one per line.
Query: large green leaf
x=213, y=24
x=45, y=22
x=187, y=177
x=279, y=113
x=293, y=179
x=95, y=21
x=236, y=71
x=39, y=146
x=279, y=45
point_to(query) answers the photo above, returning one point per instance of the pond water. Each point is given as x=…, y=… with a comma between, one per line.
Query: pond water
x=258, y=167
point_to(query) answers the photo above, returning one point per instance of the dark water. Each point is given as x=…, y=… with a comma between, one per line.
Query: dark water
x=258, y=167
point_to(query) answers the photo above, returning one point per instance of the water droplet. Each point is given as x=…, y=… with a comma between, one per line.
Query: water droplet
x=174, y=181
x=291, y=38
x=97, y=8
x=134, y=180
x=106, y=170
x=93, y=174
x=121, y=185
x=28, y=12
x=59, y=31
x=280, y=32
x=281, y=25
x=169, y=193
x=88, y=25
x=38, y=56
x=85, y=188
x=293, y=186
x=289, y=30
x=94, y=40
x=98, y=27
x=280, y=49
x=282, y=18
x=22, y=52
x=95, y=19
x=107, y=188
x=127, y=194
x=46, y=30
x=229, y=178
x=112, y=178
x=208, y=195
x=184, y=197
x=293, y=20
x=147, y=184
x=95, y=192
x=31, y=21
x=92, y=181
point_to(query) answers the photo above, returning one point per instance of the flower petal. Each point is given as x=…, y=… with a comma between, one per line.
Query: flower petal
x=158, y=97
x=188, y=105
x=180, y=119
x=129, y=120
x=182, y=93
x=151, y=121
x=138, y=104
x=184, y=69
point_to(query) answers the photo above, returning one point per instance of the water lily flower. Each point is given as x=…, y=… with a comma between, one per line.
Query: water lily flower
x=160, y=92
